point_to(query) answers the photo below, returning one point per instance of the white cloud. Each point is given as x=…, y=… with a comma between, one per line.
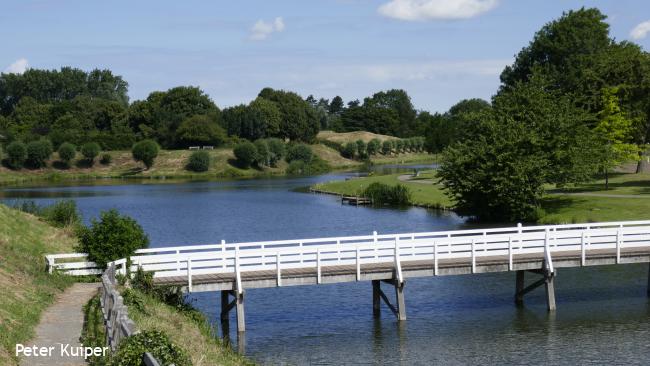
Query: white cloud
x=18, y=67
x=641, y=30
x=262, y=30
x=418, y=10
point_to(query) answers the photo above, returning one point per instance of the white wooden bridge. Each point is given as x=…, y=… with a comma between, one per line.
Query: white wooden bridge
x=233, y=268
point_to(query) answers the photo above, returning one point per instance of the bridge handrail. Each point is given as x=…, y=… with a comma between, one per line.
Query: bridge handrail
x=344, y=239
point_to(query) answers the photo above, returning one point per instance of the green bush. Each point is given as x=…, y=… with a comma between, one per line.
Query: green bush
x=361, y=149
x=61, y=213
x=277, y=150
x=263, y=153
x=373, y=146
x=199, y=161
x=113, y=237
x=16, y=155
x=145, y=151
x=67, y=152
x=349, y=150
x=384, y=194
x=90, y=150
x=106, y=159
x=38, y=152
x=316, y=166
x=245, y=153
x=300, y=152
x=133, y=348
x=200, y=130
x=386, y=147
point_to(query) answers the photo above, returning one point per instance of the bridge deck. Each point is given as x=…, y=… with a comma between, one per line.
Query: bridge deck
x=418, y=268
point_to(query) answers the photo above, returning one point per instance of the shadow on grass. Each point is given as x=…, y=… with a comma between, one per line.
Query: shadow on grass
x=133, y=171
x=554, y=204
x=60, y=165
x=84, y=163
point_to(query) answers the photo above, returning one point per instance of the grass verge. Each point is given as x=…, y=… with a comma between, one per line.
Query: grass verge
x=26, y=287
x=188, y=329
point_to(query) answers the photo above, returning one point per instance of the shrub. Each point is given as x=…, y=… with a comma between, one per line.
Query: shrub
x=263, y=153
x=145, y=151
x=384, y=194
x=90, y=150
x=399, y=146
x=386, y=147
x=133, y=348
x=373, y=146
x=361, y=149
x=245, y=153
x=106, y=159
x=199, y=161
x=113, y=237
x=300, y=152
x=299, y=167
x=38, y=152
x=67, y=152
x=61, y=213
x=16, y=154
x=349, y=150
x=277, y=150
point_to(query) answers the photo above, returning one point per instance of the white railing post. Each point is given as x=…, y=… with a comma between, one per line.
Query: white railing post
x=547, y=252
x=435, y=258
x=519, y=232
x=583, y=253
x=618, y=246
x=178, y=260
x=301, y=257
x=338, y=249
x=240, y=290
x=318, y=266
x=398, y=263
x=277, y=266
x=374, y=239
x=510, y=253
x=189, y=274
x=223, y=254
x=50, y=264
x=473, y=256
x=358, y=264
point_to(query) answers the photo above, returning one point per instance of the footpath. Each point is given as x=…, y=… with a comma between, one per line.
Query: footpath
x=60, y=328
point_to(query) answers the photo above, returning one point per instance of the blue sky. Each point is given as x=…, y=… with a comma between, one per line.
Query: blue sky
x=440, y=51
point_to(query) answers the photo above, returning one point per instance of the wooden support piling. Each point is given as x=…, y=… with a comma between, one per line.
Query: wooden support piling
x=376, y=298
x=519, y=288
x=225, y=318
x=550, y=291
x=401, y=306
x=241, y=322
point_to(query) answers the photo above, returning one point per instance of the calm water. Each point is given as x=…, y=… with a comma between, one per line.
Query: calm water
x=603, y=314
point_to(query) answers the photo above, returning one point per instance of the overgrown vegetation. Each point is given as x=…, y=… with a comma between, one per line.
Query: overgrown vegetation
x=113, y=237
x=383, y=194
x=26, y=287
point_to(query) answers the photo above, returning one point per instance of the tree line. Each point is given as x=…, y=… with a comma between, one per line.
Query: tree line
x=78, y=107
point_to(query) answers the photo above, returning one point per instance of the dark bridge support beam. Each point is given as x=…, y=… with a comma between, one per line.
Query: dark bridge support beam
x=226, y=306
x=648, y=279
x=377, y=295
x=547, y=281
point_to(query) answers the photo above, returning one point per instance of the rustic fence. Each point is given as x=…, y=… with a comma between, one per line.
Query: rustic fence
x=116, y=315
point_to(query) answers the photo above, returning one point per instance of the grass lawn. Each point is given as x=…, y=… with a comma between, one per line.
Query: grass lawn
x=25, y=286
x=591, y=202
x=584, y=203
x=424, y=193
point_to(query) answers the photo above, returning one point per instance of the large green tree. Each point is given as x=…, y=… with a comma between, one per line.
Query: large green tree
x=299, y=120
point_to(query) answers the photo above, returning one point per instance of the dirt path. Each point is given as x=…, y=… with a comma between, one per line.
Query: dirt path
x=61, y=324
x=409, y=178
x=607, y=195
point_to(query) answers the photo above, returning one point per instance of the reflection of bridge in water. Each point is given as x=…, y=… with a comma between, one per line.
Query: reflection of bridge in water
x=232, y=268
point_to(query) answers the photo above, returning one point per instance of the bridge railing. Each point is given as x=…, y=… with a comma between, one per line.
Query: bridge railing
x=74, y=264
x=319, y=253
x=470, y=245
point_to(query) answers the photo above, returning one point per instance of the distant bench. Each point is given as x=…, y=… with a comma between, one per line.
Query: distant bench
x=199, y=147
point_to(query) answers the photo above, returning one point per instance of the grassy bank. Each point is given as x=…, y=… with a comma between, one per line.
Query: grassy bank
x=628, y=197
x=188, y=329
x=424, y=191
x=172, y=164
x=25, y=286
